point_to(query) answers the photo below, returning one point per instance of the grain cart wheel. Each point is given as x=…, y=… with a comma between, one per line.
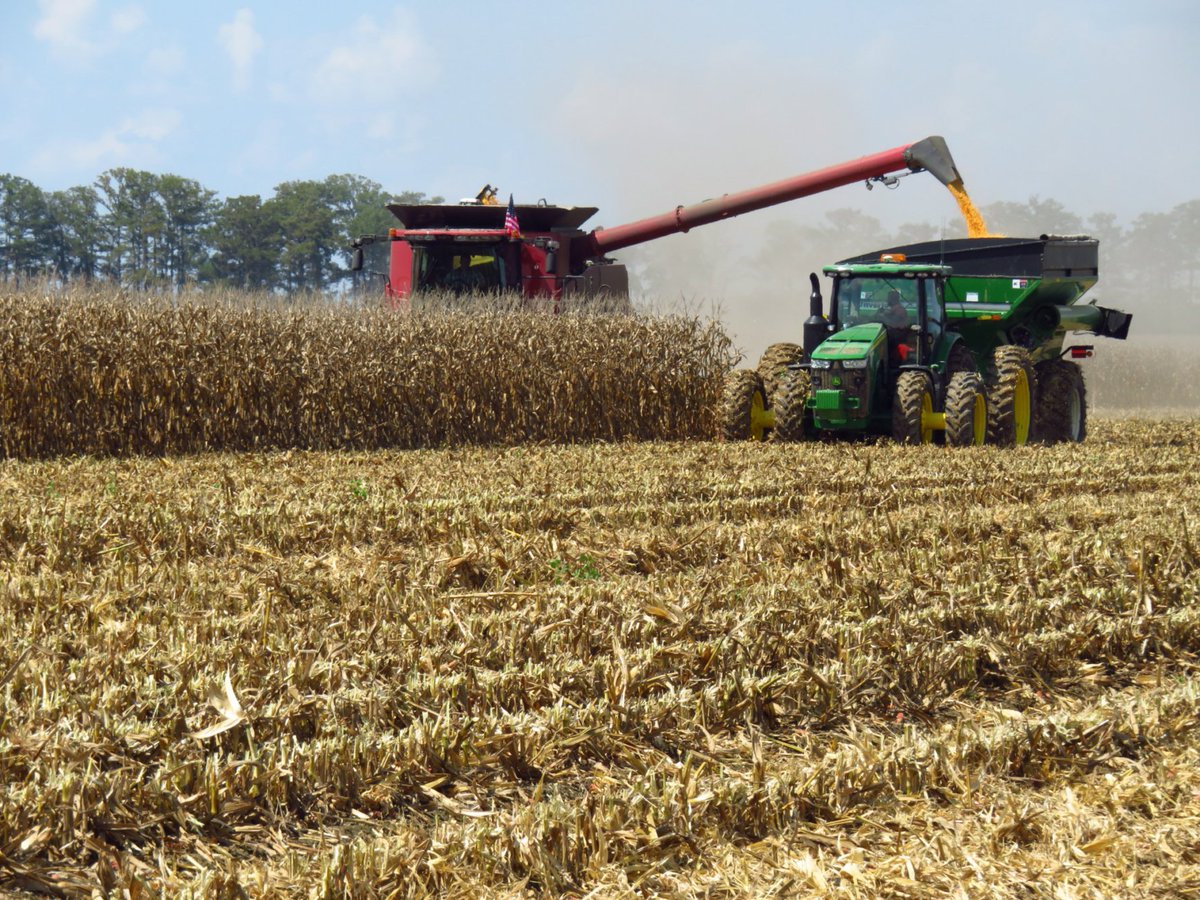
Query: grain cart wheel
x=773, y=366
x=966, y=410
x=791, y=404
x=912, y=409
x=1012, y=395
x=744, y=414
x=1061, y=411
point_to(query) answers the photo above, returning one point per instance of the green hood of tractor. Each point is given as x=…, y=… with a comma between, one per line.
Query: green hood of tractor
x=855, y=342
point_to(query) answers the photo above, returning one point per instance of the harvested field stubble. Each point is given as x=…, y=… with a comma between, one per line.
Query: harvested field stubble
x=695, y=668
x=95, y=372
x=1148, y=374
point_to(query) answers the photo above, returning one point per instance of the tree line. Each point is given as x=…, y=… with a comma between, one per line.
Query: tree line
x=161, y=232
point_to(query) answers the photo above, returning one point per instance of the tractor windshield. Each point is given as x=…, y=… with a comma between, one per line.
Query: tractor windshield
x=889, y=300
x=460, y=268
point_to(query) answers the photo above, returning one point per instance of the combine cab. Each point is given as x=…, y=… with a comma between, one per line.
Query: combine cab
x=466, y=249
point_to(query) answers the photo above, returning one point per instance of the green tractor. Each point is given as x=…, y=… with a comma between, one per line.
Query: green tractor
x=959, y=340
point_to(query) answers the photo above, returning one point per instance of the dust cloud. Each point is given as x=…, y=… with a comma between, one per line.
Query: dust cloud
x=648, y=145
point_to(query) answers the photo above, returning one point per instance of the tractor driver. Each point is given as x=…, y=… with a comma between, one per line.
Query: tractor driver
x=895, y=315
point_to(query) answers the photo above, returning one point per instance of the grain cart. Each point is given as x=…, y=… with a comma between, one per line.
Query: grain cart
x=473, y=246
x=961, y=338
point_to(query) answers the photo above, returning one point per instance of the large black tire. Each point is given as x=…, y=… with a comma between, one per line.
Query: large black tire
x=791, y=407
x=961, y=359
x=966, y=410
x=911, y=406
x=773, y=366
x=1061, y=412
x=1012, y=396
x=743, y=404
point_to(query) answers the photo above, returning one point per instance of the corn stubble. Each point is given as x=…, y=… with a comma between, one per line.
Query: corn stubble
x=99, y=372
x=691, y=669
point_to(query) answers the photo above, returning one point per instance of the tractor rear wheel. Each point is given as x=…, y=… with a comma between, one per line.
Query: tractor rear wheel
x=966, y=410
x=912, y=409
x=773, y=366
x=791, y=405
x=744, y=407
x=1061, y=412
x=1012, y=396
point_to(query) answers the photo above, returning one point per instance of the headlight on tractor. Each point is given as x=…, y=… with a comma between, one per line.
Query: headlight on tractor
x=819, y=363
x=854, y=363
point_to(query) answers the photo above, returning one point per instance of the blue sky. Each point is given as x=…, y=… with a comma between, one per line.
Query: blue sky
x=629, y=106
x=632, y=104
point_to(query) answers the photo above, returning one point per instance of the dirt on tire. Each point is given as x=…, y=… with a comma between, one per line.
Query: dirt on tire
x=1060, y=415
x=773, y=366
x=911, y=390
x=791, y=406
x=737, y=404
x=1009, y=414
x=962, y=395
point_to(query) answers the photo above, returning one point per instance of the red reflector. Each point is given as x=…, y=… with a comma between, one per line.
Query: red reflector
x=902, y=350
x=1081, y=352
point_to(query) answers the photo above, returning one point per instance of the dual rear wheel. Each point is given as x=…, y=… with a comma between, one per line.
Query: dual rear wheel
x=964, y=420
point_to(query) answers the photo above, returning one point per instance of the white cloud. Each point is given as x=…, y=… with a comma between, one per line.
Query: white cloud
x=63, y=25
x=70, y=28
x=372, y=56
x=133, y=142
x=242, y=42
x=127, y=19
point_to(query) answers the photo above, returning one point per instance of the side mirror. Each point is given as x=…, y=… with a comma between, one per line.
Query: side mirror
x=356, y=260
x=551, y=262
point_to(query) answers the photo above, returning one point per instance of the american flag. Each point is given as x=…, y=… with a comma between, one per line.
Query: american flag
x=511, y=226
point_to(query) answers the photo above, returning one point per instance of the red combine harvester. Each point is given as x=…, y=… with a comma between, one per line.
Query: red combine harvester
x=469, y=248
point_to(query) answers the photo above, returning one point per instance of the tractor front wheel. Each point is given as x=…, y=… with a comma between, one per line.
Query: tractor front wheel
x=1061, y=412
x=912, y=409
x=744, y=407
x=1012, y=396
x=773, y=366
x=966, y=410
x=791, y=406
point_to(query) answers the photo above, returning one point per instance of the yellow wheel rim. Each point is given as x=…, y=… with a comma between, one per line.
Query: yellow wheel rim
x=979, y=421
x=758, y=417
x=1021, y=407
x=926, y=418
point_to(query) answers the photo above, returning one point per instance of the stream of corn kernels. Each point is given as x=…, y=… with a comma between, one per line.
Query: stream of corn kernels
x=974, y=219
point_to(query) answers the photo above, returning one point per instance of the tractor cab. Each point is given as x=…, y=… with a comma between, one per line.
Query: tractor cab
x=909, y=302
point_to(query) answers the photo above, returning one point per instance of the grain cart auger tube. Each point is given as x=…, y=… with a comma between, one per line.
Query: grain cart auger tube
x=960, y=338
x=540, y=251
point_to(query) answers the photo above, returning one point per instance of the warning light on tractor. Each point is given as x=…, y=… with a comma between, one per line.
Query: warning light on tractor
x=893, y=258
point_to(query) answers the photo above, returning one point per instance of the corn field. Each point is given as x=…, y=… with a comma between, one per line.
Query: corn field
x=98, y=372
x=630, y=669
